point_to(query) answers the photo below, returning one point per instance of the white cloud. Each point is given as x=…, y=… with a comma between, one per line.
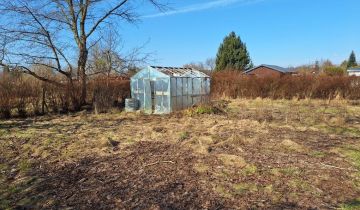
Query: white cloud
x=203, y=6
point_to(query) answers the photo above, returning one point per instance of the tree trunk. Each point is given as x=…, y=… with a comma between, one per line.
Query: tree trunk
x=73, y=95
x=83, y=56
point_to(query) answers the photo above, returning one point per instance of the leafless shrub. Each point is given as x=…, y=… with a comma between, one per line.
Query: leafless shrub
x=237, y=85
x=22, y=95
x=108, y=92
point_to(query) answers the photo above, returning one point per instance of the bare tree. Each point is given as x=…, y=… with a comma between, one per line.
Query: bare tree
x=109, y=57
x=55, y=31
x=210, y=64
x=195, y=65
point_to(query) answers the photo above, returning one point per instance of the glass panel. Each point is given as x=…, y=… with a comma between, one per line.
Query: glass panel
x=148, y=97
x=179, y=103
x=173, y=87
x=173, y=103
x=166, y=104
x=162, y=94
x=196, y=100
x=189, y=92
x=140, y=93
x=133, y=86
x=196, y=86
x=159, y=108
x=178, y=86
x=208, y=86
x=184, y=86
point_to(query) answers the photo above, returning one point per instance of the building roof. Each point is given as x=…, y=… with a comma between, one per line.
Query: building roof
x=276, y=68
x=354, y=69
x=179, y=71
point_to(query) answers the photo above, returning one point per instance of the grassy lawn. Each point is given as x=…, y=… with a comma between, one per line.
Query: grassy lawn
x=243, y=154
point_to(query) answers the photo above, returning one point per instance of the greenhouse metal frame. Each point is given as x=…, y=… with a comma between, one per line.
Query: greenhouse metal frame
x=162, y=90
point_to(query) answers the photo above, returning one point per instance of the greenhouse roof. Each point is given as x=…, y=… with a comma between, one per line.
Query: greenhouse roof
x=179, y=71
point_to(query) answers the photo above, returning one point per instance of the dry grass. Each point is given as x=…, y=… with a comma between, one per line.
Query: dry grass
x=254, y=154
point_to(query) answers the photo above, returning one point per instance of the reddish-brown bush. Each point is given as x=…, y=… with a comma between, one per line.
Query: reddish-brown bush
x=237, y=85
x=22, y=95
x=108, y=92
x=6, y=89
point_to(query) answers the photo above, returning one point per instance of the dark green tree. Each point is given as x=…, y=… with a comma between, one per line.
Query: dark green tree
x=233, y=54
x=352, y=60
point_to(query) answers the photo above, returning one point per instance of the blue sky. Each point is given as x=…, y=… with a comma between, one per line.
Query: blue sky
x=280, y=32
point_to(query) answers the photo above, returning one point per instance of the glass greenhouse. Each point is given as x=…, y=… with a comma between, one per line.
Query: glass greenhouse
x=161, y=90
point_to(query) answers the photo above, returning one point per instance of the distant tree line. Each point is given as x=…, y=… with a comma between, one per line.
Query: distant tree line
x=233, y=55
x=329, y=68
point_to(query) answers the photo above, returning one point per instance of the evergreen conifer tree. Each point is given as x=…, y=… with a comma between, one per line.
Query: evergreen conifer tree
x=233, y=54
x=352, y=60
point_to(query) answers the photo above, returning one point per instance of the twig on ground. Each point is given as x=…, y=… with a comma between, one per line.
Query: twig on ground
x=165, y=161
x=330, y=166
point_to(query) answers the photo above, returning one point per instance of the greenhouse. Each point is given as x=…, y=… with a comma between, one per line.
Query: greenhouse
x=161, y=90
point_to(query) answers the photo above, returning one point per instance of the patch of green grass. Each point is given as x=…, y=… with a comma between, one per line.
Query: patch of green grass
x=299, y=184
x=250, y=170
x=318, y=154
x=48, y=142
x=3, y=133
x=130, y=141
x=352, y=205
x=353, y=154
x=348, y=131
x=14, y=189
x=3, y=167
x=269, y=189
x=4, y=203
x=242, y=188
x=221, y=190
x=329, y=110
x=200, y=110
x=276, y=172
x=204, y=110
x=24, y=166
x=290, y=171
x=28, y=133
x=184, y=135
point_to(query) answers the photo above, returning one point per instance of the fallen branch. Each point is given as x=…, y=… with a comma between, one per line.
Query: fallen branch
x=165, y=161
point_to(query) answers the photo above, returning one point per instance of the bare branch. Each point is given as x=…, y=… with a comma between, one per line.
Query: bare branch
x=26, y=70
x=109, y=13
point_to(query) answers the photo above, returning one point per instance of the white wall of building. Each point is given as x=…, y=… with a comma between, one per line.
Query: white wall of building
x=354, y=73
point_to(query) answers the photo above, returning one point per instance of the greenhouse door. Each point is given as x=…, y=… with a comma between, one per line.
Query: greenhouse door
x=147, y=97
